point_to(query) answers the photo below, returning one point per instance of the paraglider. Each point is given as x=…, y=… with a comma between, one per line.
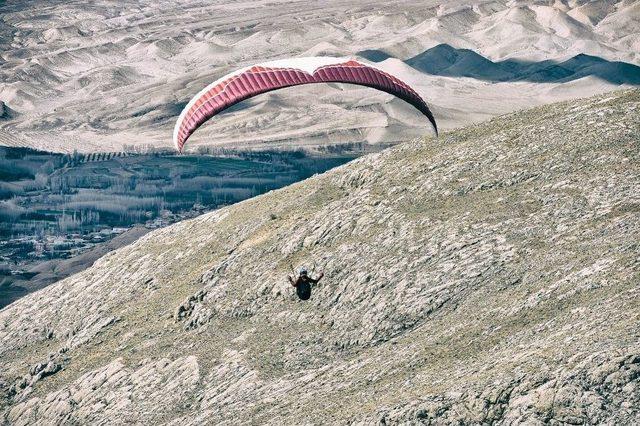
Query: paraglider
x=303, y=283
x=254, y=80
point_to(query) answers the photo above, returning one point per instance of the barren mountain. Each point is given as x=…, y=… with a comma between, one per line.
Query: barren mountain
x=490, y=275
x=106, y=75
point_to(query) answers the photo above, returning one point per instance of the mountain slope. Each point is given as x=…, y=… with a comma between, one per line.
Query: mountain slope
x=489, y=275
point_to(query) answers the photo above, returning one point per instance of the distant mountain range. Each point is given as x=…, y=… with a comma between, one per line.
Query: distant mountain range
x=448, y=61
x=105, y=76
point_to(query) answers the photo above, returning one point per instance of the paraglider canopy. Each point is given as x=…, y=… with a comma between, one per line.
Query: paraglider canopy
x=254, y=80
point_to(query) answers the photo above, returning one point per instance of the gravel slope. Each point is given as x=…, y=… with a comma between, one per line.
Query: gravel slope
x=487, y=276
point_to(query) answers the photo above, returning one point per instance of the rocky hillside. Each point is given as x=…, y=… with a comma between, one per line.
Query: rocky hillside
x=491, y=275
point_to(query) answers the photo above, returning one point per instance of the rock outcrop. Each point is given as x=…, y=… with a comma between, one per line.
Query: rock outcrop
x=489, y=276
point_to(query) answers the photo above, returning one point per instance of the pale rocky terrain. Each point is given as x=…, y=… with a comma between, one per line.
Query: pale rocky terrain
x=106, y=76
x=488, y=276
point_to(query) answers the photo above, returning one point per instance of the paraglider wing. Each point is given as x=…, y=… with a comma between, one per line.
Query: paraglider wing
x=251, y=81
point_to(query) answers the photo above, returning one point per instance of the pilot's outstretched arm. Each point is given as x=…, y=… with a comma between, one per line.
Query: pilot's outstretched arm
x=317, y=279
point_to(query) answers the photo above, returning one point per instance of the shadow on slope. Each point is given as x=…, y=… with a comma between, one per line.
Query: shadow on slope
x=445, y=60
x=6, y=112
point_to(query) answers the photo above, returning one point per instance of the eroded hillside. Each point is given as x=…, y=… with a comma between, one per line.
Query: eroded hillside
x=489, y=275
x=110, y=76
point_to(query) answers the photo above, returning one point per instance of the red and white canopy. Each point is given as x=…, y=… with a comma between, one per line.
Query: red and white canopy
x=254, y=80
